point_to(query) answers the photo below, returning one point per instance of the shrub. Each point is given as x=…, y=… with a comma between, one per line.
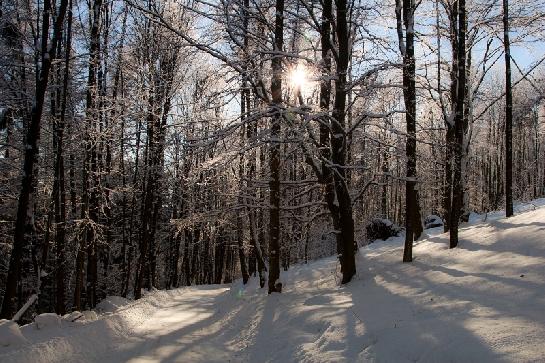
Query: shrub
x=432, y=221
x=380, y=228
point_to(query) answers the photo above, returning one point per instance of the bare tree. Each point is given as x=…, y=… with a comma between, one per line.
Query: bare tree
x=508, y=115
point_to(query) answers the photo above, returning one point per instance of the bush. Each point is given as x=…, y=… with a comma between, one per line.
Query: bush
x=383, y=229
x=432, y=221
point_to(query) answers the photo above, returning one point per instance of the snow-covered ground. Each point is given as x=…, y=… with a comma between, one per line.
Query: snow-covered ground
x=481, y=302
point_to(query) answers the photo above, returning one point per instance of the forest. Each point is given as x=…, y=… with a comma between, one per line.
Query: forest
x=157, y=144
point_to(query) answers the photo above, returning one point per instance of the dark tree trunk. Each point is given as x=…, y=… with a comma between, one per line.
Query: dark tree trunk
x=326, y=176
x=240, y=223
x=447, y=191
x=195, y=254
x=219, y=255
x=93, y=172
x=457, y=191
x=257, y=251
x=228, y=264
x=508, y=115
x=60, y=193
x=449, y=119
x=6, y=122
x=148, y=204
x=187, y=257
x=384, y=197
x=240, y=248
x=346, y=247
x=405, y=24
x=274, y=162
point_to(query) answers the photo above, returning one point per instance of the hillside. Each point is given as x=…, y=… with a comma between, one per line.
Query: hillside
x=481, y=302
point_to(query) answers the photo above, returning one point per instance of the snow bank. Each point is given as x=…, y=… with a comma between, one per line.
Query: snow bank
x=111, y=304
x=433, y=221
x=85, y=338
x=73, y=316
x=89, y=315
x=10, y=334
x=47, y=320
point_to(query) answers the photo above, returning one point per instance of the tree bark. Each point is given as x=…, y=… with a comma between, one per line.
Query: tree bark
x=346, y=247
x=60, y=193
x=508, y=115
x=326, y=176
x=457, y=192
x=274, y=162
x=405, y=22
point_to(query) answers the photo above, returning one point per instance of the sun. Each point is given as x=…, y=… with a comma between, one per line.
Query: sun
x=297, y=77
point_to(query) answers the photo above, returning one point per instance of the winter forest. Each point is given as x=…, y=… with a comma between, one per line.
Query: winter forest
x=159, y=147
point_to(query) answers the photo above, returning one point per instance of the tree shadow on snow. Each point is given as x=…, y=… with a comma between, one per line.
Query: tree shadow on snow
x=399, y=330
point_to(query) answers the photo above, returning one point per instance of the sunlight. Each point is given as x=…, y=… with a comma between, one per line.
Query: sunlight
x=297, y=77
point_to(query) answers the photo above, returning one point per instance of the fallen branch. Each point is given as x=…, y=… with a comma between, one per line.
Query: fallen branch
x=31, y=300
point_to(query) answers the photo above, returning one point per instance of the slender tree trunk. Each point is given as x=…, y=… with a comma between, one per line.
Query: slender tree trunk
x=384, y=197
x=346, y=247
x=274, y=162
x=175, y=236
x=449, y=117
x=326, y=176
x=93, y=173
x=6, y=122
x=60, y=197
x=133, y=210
x=405, y=21
x=219, y=255
x=457, y=192
x=447, y=190
x=244, y=108
x=257, y=251
x=121, y=259
x=508, y=115
x=187, y=257
x=147, y=204
x=228, y=277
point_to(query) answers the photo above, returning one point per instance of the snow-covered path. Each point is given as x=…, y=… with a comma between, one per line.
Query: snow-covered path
x=481, y=302
x=180, y=329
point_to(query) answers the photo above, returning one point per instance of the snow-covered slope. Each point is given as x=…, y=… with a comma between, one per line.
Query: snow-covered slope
x=481, y=302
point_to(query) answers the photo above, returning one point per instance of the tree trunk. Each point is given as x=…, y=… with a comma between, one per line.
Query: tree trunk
x=457, y=192
x=508, y=115
x=346, y=247
x=326, y=176
x=413, y=224
x=244, y=105
x=274, y=162
x=60, y=193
